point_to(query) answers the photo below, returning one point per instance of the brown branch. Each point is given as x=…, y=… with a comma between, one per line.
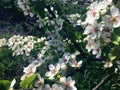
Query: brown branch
x=102, y=82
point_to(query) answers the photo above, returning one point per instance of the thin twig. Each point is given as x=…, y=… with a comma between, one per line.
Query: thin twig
x=102, y=82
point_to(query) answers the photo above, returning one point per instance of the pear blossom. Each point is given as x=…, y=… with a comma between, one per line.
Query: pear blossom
x=68, y=83
x=74, y=19
x=30, y=69
x=64, y=60
x=108, y=64
x=112, y=20
x=39, y=83
x=24, y=7
x=106, y=35
x=94, y=46
x=54, y=87
x=94, y=31
x=20, y=45
x=59, y=24
x=53, y=70
x=74, y=63
x=97, y=52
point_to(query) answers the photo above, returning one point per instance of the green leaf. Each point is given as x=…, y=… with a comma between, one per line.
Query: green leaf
x=117, y=41
x=114, y=53
x=4, y=84
x=28, y=82
x=112, y=57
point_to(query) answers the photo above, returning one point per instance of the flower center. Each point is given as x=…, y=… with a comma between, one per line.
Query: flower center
x=75, y=63
x=53, y=71
x=93, y=13
x=67, y=85
x=113, y=19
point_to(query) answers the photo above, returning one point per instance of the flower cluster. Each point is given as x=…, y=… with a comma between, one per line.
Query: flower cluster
x=74, y=19
x=2, y=42
x=54, y=72
x=65, y=84
x=54, y=40
x=99, y=25
x=20, y=45
x=25, y=8
x=102, y=18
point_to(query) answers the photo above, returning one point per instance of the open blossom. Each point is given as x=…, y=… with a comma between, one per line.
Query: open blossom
x=94, y=30
x=112, y=20
x=94, y=46
x=97, y=52
x=53, y=70
x=39, y=83
x=106, y=34
x=94, y=10
x=58, y=23
x=74, y=63
x=30, y=69
x=74, y=19
x=54, y=87
x=24, y=7
x=108, y=64
x=64, y=60
x=68, y=83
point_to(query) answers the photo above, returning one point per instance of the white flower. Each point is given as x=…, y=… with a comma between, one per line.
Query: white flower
x=104, y=3
x=59, y=24
x=68, y=83
x=54, y=87
x=74, y=63
x=30, y=69
x=53, y=70
x=90, y=45
x=97, y=52
x=94, y=30
x=39, y=83
x=114, y=19
x=106, y=34
x=65, y=58
x=115, y=16
x=93, y=11
x=108, y=64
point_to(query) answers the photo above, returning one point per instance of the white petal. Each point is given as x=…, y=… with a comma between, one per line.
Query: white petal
x=80, y=62
x=114, y=11
x=93, y=35
x=47, y=87
x=12, y=83
x=51, y=67
x=63, y=80
x=48, y=74
x=72, y=83
x=58, y=67
x=39, y=77
x=69, y=79
x=117, y=23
